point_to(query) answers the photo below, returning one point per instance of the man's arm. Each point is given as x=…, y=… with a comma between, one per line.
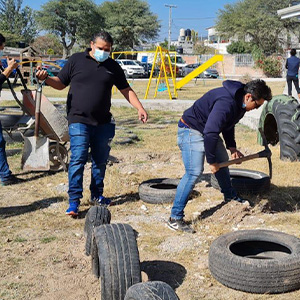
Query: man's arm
x=11, y=65
x=54, y=82
x=132, y=98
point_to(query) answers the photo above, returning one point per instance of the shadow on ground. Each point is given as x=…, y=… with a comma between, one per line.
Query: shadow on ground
x=166, y=271
x=12, y=211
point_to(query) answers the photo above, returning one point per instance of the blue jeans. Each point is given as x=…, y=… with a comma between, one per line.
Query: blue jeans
x=98, y=138
x=4, y=168
x=191, y=144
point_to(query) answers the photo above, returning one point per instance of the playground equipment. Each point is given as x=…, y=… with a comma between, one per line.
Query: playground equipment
x=199, y=70
x=166, y=79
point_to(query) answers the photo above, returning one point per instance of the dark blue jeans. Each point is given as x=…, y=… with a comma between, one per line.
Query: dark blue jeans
x=4, y=168
x=83, y=137
x=191, y=144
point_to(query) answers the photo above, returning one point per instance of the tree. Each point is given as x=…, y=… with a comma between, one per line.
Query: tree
x=17, y=21
x=240, y=47
x=257, y=20
x=48, y=43
x=71, y=21
x=129, y=22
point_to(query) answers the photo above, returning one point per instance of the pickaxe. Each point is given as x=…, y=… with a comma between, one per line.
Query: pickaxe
x=264, y=153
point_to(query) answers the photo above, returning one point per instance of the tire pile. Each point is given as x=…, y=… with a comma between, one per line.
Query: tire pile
x=115, y=260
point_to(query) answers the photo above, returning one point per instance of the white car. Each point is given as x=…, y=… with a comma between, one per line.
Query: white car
x=131, y=68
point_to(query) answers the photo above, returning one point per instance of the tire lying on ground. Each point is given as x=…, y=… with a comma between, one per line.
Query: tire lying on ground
x=151, y=290
x=96, y=216
x=256, y=261
x=245, y=181
x=159, y=190
x=280, y=121
x=119, y=263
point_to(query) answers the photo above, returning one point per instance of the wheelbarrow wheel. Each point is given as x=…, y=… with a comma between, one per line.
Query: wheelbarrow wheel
x=58, y=159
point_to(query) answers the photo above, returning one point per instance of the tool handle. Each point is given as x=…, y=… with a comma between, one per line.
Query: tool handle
x=38, y=98
x=238, y=160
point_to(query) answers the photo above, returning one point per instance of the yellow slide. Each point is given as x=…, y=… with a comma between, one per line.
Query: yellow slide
x=199, y=70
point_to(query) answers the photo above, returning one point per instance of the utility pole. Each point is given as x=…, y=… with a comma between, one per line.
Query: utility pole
x=170, y=22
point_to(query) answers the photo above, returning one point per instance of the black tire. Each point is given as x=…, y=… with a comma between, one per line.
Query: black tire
x=245, y=181
x=151, y=290
x=96, y=216
x=9, y=120
x=119, y=264
x=256, y=261
x=159, y=190
x=281, y=117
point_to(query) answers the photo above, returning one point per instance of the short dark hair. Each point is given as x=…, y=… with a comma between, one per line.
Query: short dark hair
x=258, y=89
x=293, y=52
x=2, y=39
x=103, y=35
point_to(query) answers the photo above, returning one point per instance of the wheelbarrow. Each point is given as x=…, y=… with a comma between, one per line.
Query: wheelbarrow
x=52, y=125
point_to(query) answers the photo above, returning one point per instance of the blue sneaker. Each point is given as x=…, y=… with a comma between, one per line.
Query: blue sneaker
x=102, y=201
x=73, y=208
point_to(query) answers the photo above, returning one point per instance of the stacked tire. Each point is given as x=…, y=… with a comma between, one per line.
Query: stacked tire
x=115, y=260
x=280, y=121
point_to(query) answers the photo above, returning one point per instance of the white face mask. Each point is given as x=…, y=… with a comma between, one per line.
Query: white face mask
x=101, y=55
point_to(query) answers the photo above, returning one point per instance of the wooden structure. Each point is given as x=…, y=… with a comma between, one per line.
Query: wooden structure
x=31, y=55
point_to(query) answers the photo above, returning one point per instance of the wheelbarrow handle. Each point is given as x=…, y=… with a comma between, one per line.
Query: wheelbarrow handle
x=38, y=98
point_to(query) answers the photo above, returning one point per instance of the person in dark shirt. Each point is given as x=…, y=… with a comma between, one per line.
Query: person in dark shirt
x=91, y=76
x=199, y=128
x=6, y=177
x=292, y=66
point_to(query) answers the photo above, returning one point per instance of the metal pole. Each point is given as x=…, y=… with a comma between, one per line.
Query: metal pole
x=170, y=22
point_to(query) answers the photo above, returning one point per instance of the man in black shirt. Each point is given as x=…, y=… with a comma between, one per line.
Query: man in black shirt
x=6, y=177
x=91, y=75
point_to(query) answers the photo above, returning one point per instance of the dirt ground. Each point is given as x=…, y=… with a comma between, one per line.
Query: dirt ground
x=42, y=251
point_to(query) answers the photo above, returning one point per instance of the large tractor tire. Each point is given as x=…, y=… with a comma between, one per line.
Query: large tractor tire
x=280, y=122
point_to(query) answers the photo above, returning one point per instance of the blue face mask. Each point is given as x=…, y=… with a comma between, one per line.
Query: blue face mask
x=101, y=55
x=243, y=105
x=1, y=53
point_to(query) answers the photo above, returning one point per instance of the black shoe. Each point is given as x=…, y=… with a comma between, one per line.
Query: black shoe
x=12, y=179
x=236, y=198
x=180, y=225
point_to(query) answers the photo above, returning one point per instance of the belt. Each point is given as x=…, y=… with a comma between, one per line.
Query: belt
x=184, y=122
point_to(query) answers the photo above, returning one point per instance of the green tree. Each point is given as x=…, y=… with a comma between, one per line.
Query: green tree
x=48, y=42
x=18, y=21
x=130, y=22
x=239, y=47
x=71, y=21
x=200, y=49
x=164, y=45
x=258, y=20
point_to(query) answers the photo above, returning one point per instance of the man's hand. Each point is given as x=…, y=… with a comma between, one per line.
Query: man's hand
x=235, y=153
x=12, y=63
x=214, y=168
x=143, y=116
x=41, y=74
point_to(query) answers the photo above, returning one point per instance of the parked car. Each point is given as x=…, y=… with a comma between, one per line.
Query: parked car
x=147, y=69
x=61, y=62
x=208, y=73
x=131, y=68
x=51, y=67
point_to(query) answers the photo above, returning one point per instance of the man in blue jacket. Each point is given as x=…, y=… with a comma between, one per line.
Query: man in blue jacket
x=292, y=65
x=215, y=112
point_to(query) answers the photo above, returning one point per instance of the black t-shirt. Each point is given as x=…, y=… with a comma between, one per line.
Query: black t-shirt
x=89, y=97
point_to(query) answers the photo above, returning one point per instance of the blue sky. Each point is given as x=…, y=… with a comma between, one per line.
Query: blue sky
x=192, y=14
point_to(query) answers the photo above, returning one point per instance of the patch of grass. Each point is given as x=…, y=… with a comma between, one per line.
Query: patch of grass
x=49, y=239
x=20, y=239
